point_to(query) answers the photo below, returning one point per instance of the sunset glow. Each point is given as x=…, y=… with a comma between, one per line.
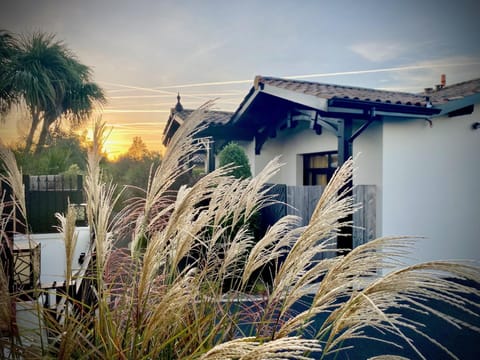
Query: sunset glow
x=143, y=66
x=139, y=111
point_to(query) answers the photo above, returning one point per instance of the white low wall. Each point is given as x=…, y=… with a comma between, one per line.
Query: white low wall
x=52, y=255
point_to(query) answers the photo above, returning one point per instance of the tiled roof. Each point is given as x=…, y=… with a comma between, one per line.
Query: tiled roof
x=215, y=117
x=184, y=114
x=455, y=91
x=212, y=118
x=331, y=91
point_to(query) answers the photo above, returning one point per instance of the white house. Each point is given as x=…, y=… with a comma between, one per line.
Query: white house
x=217, y=133
x=419, y=150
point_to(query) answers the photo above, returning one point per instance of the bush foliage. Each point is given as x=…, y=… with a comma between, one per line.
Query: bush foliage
x=233, y=154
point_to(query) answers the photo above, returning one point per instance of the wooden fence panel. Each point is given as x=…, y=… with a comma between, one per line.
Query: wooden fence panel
x=46, y=195
x=302, y=200
x=364, y=219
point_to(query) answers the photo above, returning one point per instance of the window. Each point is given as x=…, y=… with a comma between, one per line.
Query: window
x=318, y=168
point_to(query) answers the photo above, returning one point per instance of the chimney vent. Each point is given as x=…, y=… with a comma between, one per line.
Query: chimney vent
x=443, y=80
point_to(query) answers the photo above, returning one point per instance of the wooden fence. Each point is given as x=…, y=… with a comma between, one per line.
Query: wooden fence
x=365, y=219
x=302, y=200
x=47, y=194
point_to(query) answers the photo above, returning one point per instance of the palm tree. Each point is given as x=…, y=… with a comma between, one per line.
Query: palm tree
x=8, y=46
x=53, y=84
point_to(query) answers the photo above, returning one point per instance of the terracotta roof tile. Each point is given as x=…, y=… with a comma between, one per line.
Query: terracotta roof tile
x=455, y=91
x=182, y=114
x=213, y=117
x=331, y=91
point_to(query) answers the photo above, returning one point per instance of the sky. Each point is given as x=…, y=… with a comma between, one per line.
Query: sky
x=144, y=52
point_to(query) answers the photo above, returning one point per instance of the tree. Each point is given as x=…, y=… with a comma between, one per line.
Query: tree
x=45, y=75
x=7, y=50
x=234, y=154
x=138, y=150
x=132, y=170
x=64, y=154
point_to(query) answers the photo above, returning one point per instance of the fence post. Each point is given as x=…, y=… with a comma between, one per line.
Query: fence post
x=19, y=224
x=80, y=183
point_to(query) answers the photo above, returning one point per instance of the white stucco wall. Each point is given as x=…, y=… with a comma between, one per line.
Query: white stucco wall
x=431, y=185
x=249, y=147
x=368, y=162
x=290, y=144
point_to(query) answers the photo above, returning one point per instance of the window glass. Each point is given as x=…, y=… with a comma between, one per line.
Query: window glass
x=318, y=168
x=321, y=179
x=318, y=161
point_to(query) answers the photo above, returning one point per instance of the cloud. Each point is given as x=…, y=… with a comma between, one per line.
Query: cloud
x=213, y=83
x=378, y=51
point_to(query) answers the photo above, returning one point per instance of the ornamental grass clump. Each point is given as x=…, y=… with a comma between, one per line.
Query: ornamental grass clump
x=164, y=297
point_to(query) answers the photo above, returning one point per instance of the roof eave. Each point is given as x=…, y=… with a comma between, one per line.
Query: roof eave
x=456, y=104
x=384, y=107
x=307, y=100
x=166, y=132
x=245, y=104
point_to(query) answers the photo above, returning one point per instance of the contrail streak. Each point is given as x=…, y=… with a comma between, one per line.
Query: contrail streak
x=137, y=88
x=145, y=105
x=170, y=95
x=134, y=124
x=141, y=96
x=392, y=69
x=213, y=83
x=109, y=111
x=306, y=76
x=160, y=89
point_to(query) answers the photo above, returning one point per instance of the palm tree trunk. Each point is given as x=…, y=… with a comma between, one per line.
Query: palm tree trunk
x=47, y=121
x=33, y=127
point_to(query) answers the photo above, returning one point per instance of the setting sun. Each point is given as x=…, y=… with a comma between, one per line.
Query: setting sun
x=114, y=146
x=119, y=138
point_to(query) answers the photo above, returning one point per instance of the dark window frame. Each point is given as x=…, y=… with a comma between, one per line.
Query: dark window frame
x=311, y=172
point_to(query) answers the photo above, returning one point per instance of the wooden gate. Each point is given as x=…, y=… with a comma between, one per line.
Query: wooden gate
x=46, y=195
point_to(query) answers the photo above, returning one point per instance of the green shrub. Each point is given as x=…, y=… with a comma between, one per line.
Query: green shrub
x=233, y=154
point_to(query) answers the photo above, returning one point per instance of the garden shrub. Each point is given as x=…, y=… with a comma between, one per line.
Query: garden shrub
x=233, y=154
